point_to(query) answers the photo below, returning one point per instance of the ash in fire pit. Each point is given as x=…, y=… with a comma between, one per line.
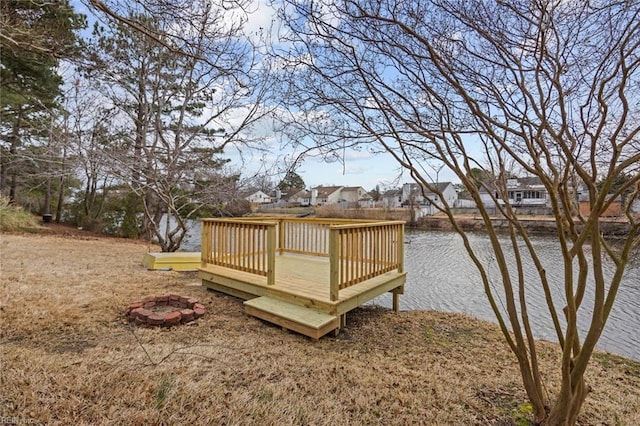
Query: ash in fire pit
x=165, y=311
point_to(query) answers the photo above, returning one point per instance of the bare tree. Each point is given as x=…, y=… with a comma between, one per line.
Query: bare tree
x=187, y=78
x=93, y=138
x=547, y=88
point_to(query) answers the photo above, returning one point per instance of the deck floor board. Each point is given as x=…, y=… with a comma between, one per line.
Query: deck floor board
x=303, y=280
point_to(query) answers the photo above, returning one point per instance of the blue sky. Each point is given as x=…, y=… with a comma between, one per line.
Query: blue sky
x=355, y=168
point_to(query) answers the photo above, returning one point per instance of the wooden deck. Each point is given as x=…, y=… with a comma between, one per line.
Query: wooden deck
x=304, y=277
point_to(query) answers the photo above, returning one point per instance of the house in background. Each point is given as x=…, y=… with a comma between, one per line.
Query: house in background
x=413, y=194
x=258, y=197
x=392, y=198
x=521, y=192
x=465, y=201
x=366, y=202
x=301, y=198
x=347, y=195
x=353, y=194
x=286, y=194
x=327, y=195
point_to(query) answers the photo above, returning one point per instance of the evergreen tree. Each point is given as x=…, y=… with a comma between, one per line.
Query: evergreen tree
x=34, y=38
x=291, y=180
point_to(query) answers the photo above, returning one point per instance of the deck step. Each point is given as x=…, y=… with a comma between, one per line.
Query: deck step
x=292, y=317
x=178, y=261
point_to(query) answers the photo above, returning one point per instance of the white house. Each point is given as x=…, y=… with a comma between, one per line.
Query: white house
x=413, y=194
x=328, y=195
x=341, y=194
x=353, y=194
x=522, y=192
x=302, y=198
x=366, y=202
x=258, y=197
x=392, y=198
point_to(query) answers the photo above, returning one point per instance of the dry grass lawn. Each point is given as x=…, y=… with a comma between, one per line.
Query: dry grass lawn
x=69, y=357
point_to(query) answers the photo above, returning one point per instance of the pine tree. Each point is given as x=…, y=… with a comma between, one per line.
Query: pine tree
x=34, y=38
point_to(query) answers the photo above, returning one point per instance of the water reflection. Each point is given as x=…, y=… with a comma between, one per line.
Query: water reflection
x=442, y=277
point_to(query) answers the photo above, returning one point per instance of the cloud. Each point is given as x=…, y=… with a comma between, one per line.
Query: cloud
x=351, y=155
x=353, y=169
x=261, y=17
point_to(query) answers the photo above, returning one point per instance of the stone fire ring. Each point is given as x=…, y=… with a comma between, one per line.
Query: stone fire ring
x=165, y=311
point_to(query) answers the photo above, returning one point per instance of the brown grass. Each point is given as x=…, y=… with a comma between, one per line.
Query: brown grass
x=68, y=356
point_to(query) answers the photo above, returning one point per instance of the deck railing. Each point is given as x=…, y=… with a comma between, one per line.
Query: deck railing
x=304, y=237
x=359, y=252
x=239, y=244
x=357, y=249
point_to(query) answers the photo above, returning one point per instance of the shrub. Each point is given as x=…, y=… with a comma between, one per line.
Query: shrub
x=14, y=218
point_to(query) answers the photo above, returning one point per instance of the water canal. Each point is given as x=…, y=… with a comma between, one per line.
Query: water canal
x=441, y=276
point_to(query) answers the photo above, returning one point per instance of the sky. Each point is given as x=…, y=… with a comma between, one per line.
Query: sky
x=378, y=169
x=365, y=171
x=355, y=168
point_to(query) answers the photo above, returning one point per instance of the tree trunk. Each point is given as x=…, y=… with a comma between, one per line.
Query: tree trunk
x=13, y=151
x=568, y=404
x=60, y=200
x=47, y=197
x=61, y=179
x=13, y=188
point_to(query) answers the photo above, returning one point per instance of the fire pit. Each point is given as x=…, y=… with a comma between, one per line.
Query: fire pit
x=165, y=311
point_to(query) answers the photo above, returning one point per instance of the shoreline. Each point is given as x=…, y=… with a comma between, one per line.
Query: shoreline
x=536, y=225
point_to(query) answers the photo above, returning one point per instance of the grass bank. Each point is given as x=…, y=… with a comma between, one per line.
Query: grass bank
x=69, y=357
x=14, y=218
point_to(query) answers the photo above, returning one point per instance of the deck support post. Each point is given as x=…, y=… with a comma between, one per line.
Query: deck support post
x=396, y=302
x=343, y=320
x=400, y=248
x=271, y=255
x=205, y=241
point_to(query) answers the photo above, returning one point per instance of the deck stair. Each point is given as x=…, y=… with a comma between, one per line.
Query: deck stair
x=178, y=261
x=292, y=317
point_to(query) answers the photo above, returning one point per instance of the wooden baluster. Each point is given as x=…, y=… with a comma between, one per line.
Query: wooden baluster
x=334, y=258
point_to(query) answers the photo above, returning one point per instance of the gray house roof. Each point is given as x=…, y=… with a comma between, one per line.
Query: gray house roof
x=392, y=193
x=415, y=188
x=301, y=194
x=440, y=185
x=325, y=191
